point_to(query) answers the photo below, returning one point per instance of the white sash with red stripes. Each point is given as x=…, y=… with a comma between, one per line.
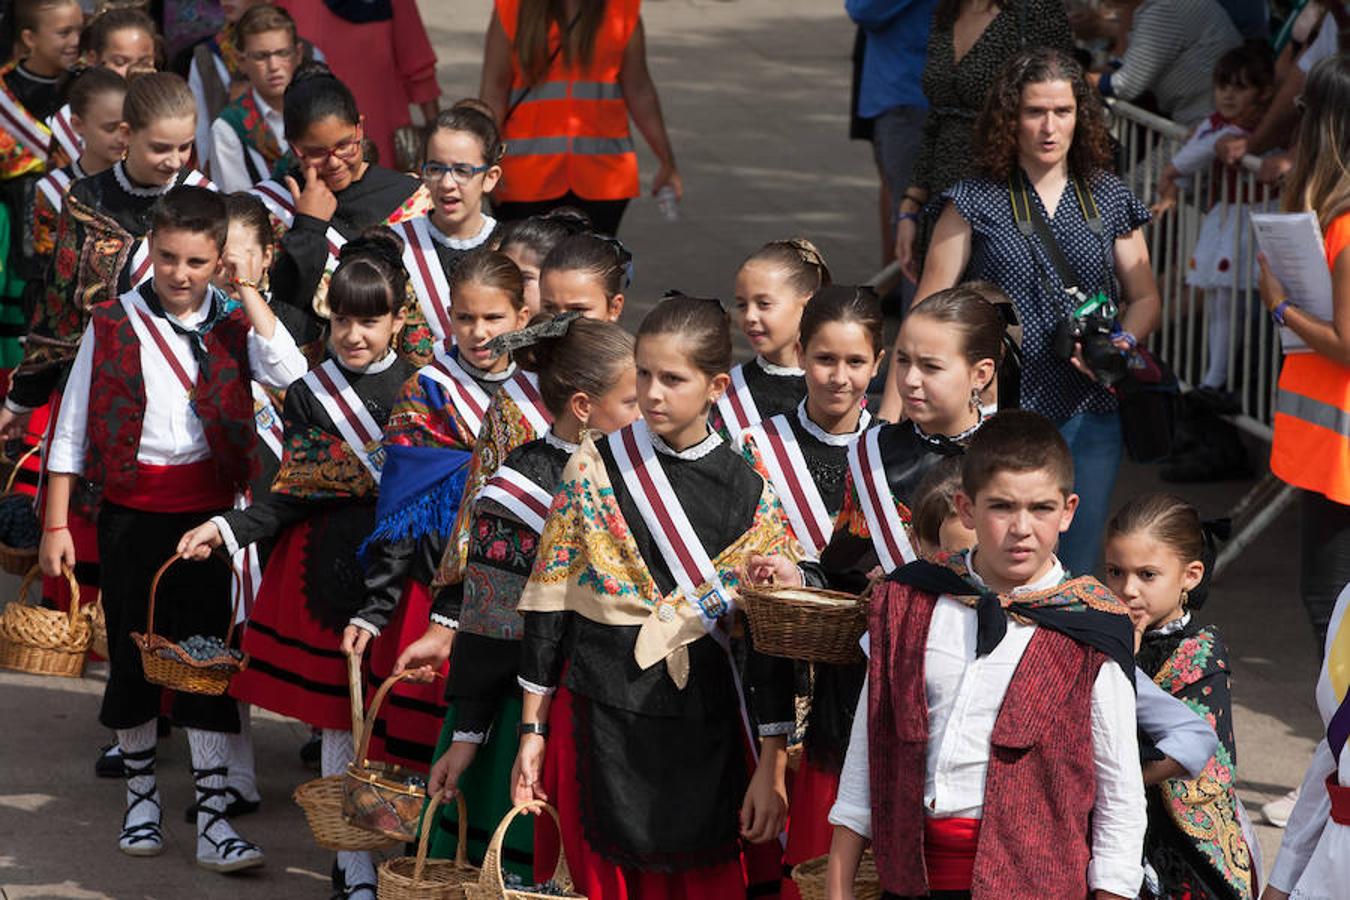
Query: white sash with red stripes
x=526, y=500
x=277, y=198
x=19, y=122
x=792, y=481
x=267, y=420
x=737, y=405
x=523, y=389
x=470, y=400
x=427, y=276
x=54, y=186
x=64, y=132
x=140, y=266
x=889, y=536
x=353, y=421
x=154, y=332
x=245, y=570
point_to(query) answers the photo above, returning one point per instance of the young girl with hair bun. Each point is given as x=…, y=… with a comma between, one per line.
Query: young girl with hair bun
x=428, y=441
x=804, y=455
x=642, y=744
x=528, y=242
x=772, y=288
x=320, y=509
x=586, y=274
x=588, y=382
x=1158, y=557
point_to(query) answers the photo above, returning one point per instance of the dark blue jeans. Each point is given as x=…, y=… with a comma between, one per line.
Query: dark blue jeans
x=1097, y=445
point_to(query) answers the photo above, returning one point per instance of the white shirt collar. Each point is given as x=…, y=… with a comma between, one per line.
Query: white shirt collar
x=775, y=369
x=480, y=375
x=697, y=451
x=264, y=107
x=558, y=443
x=1050, y=579
x=135, y=190
x=825, y=437
x=191, y=320
x=1170, y=628
x=468, y=243
x=374, y=368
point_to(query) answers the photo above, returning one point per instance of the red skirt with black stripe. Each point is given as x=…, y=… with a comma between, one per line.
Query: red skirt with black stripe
x=296, y=666
x=414, y=712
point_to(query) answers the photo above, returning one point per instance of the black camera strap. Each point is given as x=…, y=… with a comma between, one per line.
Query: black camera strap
x=1031, y=222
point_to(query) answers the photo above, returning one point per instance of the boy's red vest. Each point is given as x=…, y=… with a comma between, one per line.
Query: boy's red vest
x=1035, y=838
x=222, y=399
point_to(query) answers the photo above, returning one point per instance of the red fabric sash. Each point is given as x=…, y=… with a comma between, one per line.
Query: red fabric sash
x=949, y=851
x=1340, y=800
x=192, y=487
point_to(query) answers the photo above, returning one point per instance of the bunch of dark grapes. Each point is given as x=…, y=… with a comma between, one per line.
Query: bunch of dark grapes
x=548, y=888
x=19, y=526
x=203, y=648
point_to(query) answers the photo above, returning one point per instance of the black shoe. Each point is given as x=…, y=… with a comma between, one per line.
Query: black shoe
x=238, y=806
x=163, y=727
x=109, y=762
x=339, y=882
x=311, y=751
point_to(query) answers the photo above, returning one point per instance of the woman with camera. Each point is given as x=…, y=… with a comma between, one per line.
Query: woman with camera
x=1051, y=226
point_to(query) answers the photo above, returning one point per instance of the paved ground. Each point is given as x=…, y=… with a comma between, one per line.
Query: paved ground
x=755, y=92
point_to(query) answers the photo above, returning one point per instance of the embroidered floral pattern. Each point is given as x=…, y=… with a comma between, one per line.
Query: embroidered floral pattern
x=242, y=114
x=15, y=158
x=316, y=465
x=501, y=554
x=425, y=416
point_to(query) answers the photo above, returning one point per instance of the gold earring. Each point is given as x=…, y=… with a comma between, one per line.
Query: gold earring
x=1185, y=598
x=974, y=399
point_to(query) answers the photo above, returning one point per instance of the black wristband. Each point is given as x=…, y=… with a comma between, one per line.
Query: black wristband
x=539, y=728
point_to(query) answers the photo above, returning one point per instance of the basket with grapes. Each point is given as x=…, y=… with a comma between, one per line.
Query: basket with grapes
x=493, y=884
x=20, y=530
x=44, y=641
x=201, y=664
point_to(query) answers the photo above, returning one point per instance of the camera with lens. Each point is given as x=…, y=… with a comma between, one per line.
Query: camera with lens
x=1090, y=325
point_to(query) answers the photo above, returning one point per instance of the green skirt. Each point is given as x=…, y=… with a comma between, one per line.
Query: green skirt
x=487, y=795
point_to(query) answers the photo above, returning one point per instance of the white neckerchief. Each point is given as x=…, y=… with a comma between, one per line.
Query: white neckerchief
x=560, y=443
x=124, y=181
x=468, y=243
x=825, y=437
x=695, y=451
x=775, y=369
x=373, y=369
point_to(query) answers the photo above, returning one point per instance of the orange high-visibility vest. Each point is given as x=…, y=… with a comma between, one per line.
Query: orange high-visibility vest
x=1311, y=448
x=570, y=132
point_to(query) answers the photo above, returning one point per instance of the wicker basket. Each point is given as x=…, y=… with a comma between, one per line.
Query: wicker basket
x=802, y=630
x=810, y=878
x=44, y=641
x=491, y=885
x=99, y=622
x=419, y=878
x=18, y=560
x=168, y=665
x=321, y=799
x=375, y=795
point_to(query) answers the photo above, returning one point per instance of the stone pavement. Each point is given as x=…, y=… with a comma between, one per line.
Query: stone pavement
x=756, y=98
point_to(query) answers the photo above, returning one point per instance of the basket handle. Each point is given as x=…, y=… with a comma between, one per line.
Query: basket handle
x=154, y=591
x=18, y=464
x=369, y=726
x=72, y=585
x=492, y=860
x=429, y=825
x=358, y=703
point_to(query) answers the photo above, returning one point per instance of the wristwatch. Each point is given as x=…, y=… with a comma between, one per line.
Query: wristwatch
x=539, y=728
x=1278, y=312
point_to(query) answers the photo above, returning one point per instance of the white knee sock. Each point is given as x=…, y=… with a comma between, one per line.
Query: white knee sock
x=138, y=754
x=358, y=868
x=242, y=776
x=210, y=753
x=1218, y=322
x=337, y=752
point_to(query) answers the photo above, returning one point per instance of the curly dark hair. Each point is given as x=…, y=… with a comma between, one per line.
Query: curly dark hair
x=996, y=128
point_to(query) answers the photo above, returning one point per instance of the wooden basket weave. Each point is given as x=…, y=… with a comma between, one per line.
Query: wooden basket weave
x=810, y=878
x=18, y=560
x=491, y=885
x=177, y=670
x=321, y=800
x=44, y=641
x=802, y=630
x=419, y=878
x=375, y=795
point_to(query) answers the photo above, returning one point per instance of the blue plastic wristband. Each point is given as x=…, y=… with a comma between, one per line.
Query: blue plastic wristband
x=1278, y=312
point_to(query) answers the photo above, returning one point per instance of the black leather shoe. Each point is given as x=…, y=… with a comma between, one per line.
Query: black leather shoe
x=109, y=762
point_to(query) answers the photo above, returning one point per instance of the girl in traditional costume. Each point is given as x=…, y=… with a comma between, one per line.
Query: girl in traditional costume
x=428, y=441
x=804, y=455
x=1156, y=552
x=588, y=381
x=323, y=506
x=632, y=723
x=772, y=288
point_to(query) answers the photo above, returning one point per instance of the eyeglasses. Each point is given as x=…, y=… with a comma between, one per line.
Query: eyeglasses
x=463, y=173
x=344, y=150
x=286, y=54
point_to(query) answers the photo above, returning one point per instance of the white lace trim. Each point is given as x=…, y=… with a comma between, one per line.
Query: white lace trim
x=696, y=451
x=482, y=375
x=530, y=687
x=445, y=621
x=24, y=72
x=825, y=437
x=374, y=368
x=469, y=737
x=560, y=443
x=125, y=183
x=775, y=369
x=775, y=729
x=1171, y=627
x=468, y=243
